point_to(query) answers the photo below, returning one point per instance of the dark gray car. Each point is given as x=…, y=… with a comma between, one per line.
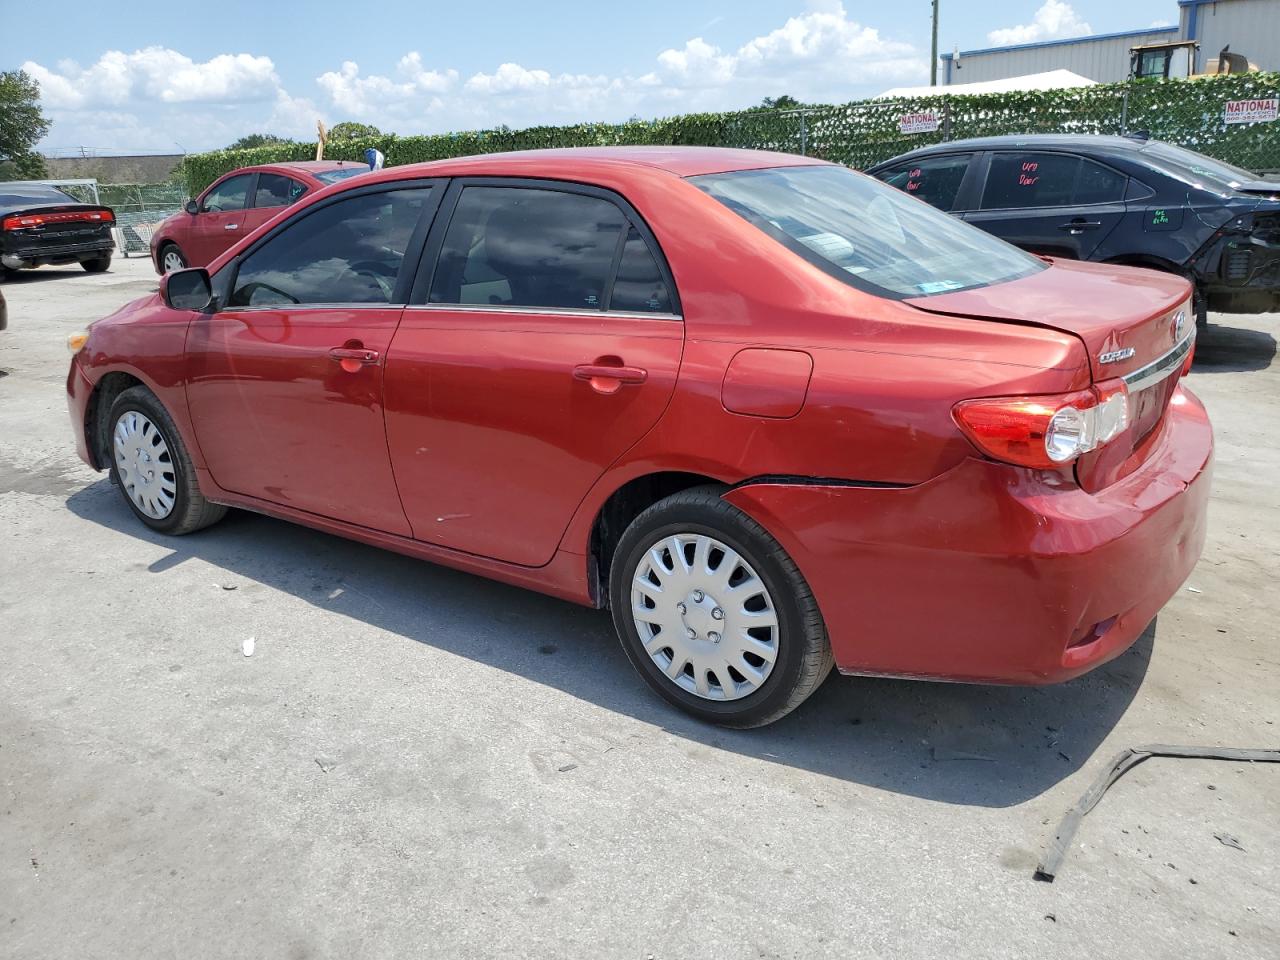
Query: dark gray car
x=1116, y=200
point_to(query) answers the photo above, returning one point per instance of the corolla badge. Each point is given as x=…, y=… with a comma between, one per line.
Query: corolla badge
x=1112, y=352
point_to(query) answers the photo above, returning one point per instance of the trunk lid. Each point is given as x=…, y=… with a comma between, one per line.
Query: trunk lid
x=1127, y=317
x=1129, y=320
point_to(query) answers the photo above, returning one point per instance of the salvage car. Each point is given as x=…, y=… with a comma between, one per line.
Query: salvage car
x=1128, y=200
x=235, y=205
x=40, y=225
x=770, y=412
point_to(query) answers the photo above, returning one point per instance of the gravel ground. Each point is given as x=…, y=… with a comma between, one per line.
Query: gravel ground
x=415, y=762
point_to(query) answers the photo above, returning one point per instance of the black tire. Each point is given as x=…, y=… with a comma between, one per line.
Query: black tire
x=7, y=274
x=190, y=511
x=803, y=655
x=97, y=264
x=1200, y=306
x=164, y=251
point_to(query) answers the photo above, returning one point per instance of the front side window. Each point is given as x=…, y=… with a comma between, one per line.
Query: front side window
x=935, y=180
x=350, y=251
x=528, y=247
x=866, y=233
x=275, y=190
x=230, y=194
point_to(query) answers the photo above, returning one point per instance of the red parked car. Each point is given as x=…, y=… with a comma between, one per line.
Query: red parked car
x=235, y=205
x=769, y=411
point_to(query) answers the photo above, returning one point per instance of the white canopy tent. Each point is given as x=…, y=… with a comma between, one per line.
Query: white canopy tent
x=1050, y=80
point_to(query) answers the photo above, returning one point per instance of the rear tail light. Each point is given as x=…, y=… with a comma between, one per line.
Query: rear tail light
x=1045, y=432
x=21, y=221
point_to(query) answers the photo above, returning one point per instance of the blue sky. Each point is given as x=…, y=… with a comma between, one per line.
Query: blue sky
x=169, y=76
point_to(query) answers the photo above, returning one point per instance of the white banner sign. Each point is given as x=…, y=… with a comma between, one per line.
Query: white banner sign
x=918, y=122
x=1250, y=111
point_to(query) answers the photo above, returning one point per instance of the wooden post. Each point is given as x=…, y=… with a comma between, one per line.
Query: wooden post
x=322, y=137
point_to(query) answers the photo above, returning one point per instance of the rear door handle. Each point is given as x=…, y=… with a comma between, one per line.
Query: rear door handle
x=232, y=226
x=1079, y=225
x=607, y=378
x=353, y=358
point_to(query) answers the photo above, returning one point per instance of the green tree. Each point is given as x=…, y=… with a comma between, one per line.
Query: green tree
x=257, y=140
x=784, y=102
x=22, y=125
x=350, y=130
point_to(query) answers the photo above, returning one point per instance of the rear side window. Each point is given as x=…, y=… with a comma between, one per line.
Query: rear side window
x=345, y=252
x=275, y=190
x=935, y=180
x=1018, y=180
x=527, y=247
x=231, y=194
x=638, y=285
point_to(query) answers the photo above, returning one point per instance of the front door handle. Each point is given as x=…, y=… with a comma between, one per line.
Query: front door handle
x=353, y=358
x=232, y=226
x=608, y=378
x=1079, y=225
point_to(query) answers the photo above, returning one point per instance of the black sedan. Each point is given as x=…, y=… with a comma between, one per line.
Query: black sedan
x=1125, y=200
x=40, y=224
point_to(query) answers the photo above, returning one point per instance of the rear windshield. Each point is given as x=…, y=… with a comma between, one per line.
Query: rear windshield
x=867, y=233
x=1191, y=166
x=333, y=176
x=18, y=194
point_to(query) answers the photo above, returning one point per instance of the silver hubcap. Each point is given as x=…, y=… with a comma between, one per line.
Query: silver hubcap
x=145, y=465
x=173, y=261
x=704, y=617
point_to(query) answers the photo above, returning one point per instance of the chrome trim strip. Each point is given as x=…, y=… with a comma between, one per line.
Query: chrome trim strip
x=1161, y=367
x=542, y=311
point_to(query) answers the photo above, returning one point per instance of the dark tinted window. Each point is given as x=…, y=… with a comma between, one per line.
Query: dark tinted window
x=275, y=190
x=639, y=285
x=935, y=180
x=1030, y=180
x=345, y=252
x=529, y=248
x=15, y=195
x=232, y=194
x=1098, y=184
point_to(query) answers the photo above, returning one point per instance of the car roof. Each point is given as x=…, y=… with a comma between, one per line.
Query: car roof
x=1094, y=143
x=579, y=161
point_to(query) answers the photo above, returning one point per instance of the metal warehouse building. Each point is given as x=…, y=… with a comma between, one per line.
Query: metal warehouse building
x=1249, y=27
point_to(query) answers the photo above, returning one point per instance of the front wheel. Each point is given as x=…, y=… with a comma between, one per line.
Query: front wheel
x=152, y=468
x=713, y=613
x=171, y=258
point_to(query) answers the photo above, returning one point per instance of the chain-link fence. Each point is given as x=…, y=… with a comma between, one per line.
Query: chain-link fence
x=139, y=208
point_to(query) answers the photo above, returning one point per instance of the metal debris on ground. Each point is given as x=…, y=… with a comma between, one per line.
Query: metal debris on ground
x=1227, y=840
x=1122, y=764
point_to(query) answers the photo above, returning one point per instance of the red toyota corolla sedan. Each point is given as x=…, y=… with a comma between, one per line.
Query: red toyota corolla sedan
x=235, y=205
x=772, y=413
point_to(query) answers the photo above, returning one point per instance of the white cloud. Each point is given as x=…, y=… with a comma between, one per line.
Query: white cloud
x=1056, y=20
x=156, y=73
x=820, y=55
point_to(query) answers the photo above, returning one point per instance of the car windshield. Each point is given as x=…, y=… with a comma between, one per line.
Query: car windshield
x=341, y=173
x=866, y=233
x=17, y=194
x=1181, y=162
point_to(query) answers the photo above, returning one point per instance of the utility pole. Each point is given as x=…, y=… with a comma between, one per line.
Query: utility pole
x=933, y=49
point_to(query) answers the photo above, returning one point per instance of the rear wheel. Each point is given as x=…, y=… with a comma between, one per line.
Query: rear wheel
x=713, y=613
x=171, y=258
x=97, y=264
x=152, y=468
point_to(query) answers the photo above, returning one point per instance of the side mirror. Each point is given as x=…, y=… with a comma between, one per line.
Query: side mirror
x=191, y=207
x=188, y=289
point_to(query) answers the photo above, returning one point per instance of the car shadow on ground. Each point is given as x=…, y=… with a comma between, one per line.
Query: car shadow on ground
x=954, y=743
x=1227, y=349
x=18, y=277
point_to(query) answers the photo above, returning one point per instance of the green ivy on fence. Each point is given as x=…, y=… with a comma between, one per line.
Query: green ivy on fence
x=1187, y=112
